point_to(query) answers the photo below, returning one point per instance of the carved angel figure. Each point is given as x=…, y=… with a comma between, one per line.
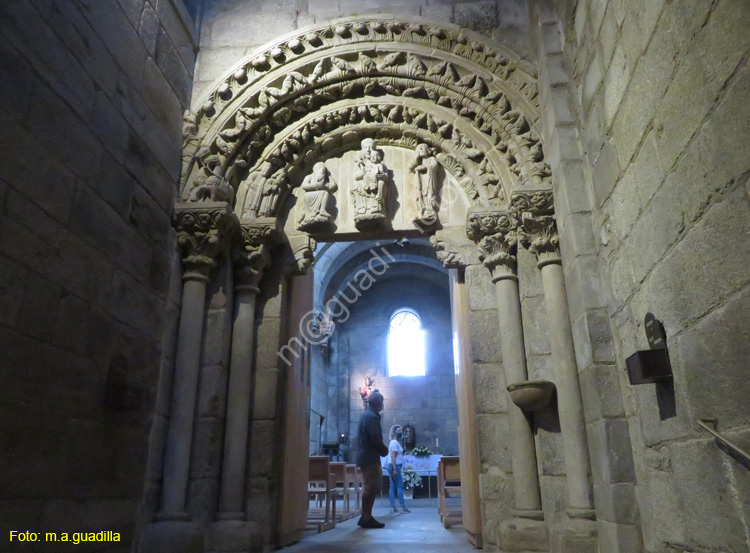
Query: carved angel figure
x=426, y=168
x=318, y=194
x=370, y=190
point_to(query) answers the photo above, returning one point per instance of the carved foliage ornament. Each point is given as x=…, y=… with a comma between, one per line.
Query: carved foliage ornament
x=537, y=227
x=204, y=231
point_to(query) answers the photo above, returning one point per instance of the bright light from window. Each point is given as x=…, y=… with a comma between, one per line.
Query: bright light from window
x=405, y=345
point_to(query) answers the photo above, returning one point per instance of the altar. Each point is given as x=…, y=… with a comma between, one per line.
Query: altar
x=423, y=466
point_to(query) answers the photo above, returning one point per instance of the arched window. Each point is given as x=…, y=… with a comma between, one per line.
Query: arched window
x=405, y=344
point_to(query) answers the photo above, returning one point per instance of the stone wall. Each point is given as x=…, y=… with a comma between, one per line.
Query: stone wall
x=653, y=209
x=232, y=29
x=91, y=102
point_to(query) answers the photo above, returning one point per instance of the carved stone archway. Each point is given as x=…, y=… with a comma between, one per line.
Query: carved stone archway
x=313, y=96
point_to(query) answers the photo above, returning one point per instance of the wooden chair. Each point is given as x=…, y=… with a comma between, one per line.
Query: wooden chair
x=341, y=489
x=355, y=488
x=320, y=486
x=449, y=487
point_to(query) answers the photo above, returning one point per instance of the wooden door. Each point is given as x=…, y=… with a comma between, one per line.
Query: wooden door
x=468, y=449
x=296, y=414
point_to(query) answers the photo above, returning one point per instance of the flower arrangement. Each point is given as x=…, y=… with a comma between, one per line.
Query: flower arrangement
x=411, y=478
x=421, y=451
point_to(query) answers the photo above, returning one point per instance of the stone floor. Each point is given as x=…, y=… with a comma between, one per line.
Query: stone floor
x=417, y=532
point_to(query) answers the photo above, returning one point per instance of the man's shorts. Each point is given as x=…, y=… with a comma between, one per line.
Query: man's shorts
x=372, y=478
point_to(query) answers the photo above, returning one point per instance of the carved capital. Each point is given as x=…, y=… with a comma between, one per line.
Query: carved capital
x=495, y=233
x=498, y=253
x=252, y=256
x=447, y=252
x=532, y=203
x=480, y=223
x=539, y=236
x=535, y=210
x=204, y=231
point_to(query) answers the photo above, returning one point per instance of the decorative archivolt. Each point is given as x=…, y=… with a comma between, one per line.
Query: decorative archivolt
x=228, y=140
x=324, y=135
x=464, y=44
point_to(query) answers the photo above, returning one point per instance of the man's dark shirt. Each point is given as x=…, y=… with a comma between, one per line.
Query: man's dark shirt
x=369, y=426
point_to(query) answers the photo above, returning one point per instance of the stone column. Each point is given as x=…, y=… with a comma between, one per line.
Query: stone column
x=203, y=233
x=250, y=259
x=538, y=232
x=496, y=235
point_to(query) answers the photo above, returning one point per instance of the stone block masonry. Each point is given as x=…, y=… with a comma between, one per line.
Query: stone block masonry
x=654, y=85
x=91, y=102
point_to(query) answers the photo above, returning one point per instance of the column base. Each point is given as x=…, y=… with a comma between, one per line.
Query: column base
x=235, y=536
x=527, y=533
x=173, y=536
x=578, y=536
x=172, y=516
x=231, y=515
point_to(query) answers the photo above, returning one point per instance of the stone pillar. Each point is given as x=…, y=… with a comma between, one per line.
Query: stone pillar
x=496, y=235
x=203, y=233
x=538, y=232
x=250, y=259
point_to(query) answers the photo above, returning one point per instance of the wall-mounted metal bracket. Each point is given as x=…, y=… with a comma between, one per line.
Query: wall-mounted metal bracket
x=651, y=365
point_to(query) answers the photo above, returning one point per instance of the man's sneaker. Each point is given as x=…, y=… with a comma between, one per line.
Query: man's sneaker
x=405, y=510
x=394, y=510
x=372, y=523
x=359, y=522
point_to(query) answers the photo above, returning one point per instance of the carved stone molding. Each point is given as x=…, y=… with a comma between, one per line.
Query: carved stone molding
x=342, y=129
x=447, y=252
x=251, y=256
x=302, y=248
x=537, y=226
x=465, y=45
x=204, y=231
x=238, y=130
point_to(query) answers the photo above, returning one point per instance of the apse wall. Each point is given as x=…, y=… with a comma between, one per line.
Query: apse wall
x=426, y=402
x=91, y=102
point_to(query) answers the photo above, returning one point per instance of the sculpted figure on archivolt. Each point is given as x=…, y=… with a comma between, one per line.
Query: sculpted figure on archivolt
x=426, y=167
x=316, y=202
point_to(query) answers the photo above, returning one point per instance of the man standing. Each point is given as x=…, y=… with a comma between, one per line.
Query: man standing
x=371, y=449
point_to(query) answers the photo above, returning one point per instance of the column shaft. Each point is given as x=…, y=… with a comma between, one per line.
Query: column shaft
x=184, y=389
x=231, y=499
x=525, y=478
x=569, y=402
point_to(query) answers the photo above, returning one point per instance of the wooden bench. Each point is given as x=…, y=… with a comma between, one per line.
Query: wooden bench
x=449, y=487
x=355, y=481
x=320, y=488
x=342, y=488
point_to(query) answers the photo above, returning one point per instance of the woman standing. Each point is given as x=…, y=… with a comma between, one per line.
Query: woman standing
x=394, y=466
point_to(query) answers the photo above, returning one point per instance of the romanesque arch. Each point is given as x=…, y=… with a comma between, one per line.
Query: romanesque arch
x=311, y=98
